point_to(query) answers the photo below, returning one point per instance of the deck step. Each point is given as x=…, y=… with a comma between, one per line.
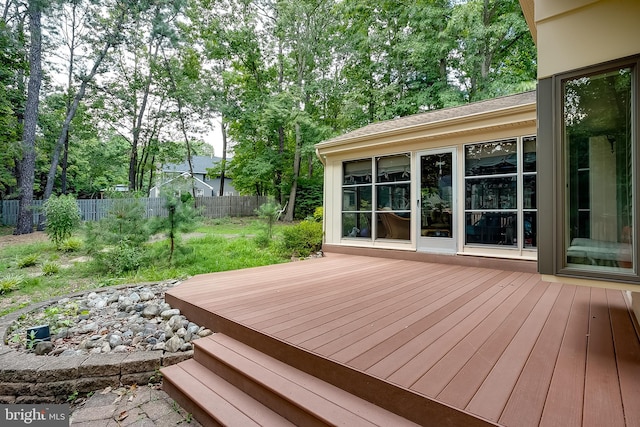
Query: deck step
x=288, y=392
x=212, y=400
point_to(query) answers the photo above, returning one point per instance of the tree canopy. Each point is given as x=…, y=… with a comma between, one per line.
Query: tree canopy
x=128, y=85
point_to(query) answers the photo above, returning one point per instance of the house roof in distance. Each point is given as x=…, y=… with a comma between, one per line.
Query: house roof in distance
x=199, y=163
x=443, y=115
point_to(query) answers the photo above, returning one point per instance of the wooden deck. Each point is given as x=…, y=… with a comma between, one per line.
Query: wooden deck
x=436, y=343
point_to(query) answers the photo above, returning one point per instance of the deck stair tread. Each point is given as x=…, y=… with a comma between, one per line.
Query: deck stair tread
x=301, y=398
x=217, y=402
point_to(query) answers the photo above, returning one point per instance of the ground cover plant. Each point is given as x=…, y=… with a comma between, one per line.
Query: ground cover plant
x=213, y=245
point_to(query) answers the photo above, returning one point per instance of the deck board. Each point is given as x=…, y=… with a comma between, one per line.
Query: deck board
x=501, y=344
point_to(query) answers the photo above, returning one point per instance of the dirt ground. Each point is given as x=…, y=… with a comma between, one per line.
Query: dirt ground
x=10, y=239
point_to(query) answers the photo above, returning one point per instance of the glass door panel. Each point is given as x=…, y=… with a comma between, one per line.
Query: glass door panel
x=436, y=201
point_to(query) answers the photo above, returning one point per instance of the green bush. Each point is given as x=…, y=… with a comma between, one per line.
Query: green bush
x=262, y=239
x=181, y=217
x=308, y=196
x=28, y=260
x=318, y=213
x=302, y=239
x=72, y=244
x=10, y=283
x=269, y=213
x=125, y=223
x=121, y=258
x=63, y=216
x=50, y=268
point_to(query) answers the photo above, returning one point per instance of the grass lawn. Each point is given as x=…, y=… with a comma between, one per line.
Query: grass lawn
x=34, y=271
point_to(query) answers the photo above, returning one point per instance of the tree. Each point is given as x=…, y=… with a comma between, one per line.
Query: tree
x=12, y=65
x=26, y=169
x=495, y=54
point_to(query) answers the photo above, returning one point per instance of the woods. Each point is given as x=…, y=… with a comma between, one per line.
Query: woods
x=96, y=94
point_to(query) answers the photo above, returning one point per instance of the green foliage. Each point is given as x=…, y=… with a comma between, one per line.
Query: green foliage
x=117, y=242
x=309, y=196
x=181, y=217
x=262, y=239
x=10, y=283
x=269, y=213
x=124, y=223
x=318, y=214
x=121, y=258
x=50, y=268
x=63, y=216
x=72, y=244
x=302, y=239
x=28, y=260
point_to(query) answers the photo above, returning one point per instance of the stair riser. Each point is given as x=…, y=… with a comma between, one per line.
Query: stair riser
x=262, y=394
x=187, y=404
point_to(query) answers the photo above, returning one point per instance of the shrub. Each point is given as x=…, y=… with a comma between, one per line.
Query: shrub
x=318, y=213
x=121, y=258
x=302, y=239
x=125, y=223
x=50, y=268
x=181, y=218
x=28, y=261
x=262, y=239
x=308, y=196
x=72, y=244
x=269, y=213
x=63, y=216
x=10, y=283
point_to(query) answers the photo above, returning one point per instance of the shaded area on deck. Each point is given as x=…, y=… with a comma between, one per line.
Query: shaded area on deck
x=436, y=340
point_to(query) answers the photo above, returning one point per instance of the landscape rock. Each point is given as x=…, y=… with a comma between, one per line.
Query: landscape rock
x=43, y=347
x=122, y=320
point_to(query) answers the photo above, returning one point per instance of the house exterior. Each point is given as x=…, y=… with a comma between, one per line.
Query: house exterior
x=205, y=185
x=549, y=176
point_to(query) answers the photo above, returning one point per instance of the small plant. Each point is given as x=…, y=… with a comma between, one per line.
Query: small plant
x=10, y=283
x=50, y=268
x=73, y=396
x=181, y=217
x=269, y=212
x=63, y=216
x=31, y=340
x=262, y=239
x=28, y=261
x=121, y=258
x=318, y=214
x=72, y=244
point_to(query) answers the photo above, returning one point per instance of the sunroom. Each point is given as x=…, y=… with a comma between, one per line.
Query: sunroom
x=457, y=181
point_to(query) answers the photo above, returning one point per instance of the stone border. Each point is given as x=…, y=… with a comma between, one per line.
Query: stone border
x=27, y=378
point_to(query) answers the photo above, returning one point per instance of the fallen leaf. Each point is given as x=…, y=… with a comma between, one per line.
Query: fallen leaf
x=122, y=416
x=106, y=390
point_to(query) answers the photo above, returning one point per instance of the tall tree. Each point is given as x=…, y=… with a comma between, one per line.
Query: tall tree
x=26, y=169
x=110, y=36
x=494, y=53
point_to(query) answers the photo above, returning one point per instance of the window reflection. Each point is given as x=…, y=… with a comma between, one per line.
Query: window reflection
x=599, y=163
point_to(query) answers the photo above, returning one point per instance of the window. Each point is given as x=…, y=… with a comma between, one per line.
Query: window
x=388, y=180
x=599, y=171
x=496, y=174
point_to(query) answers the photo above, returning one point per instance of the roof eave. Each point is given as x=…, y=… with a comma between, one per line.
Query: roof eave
x=436, y=128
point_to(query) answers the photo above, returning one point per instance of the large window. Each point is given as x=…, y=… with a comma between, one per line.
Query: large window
x=376, y=198
x=599, y=171
x=500, y=193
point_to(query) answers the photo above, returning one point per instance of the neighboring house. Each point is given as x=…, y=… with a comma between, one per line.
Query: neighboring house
x=550, y=177
x=205, y=186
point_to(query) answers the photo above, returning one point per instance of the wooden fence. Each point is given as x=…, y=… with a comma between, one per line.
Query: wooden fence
x=96, y=209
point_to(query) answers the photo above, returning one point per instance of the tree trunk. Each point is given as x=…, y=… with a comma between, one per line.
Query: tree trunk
x=71, y=112
x=288, y=216
x=28, y=163
x=223, y=127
